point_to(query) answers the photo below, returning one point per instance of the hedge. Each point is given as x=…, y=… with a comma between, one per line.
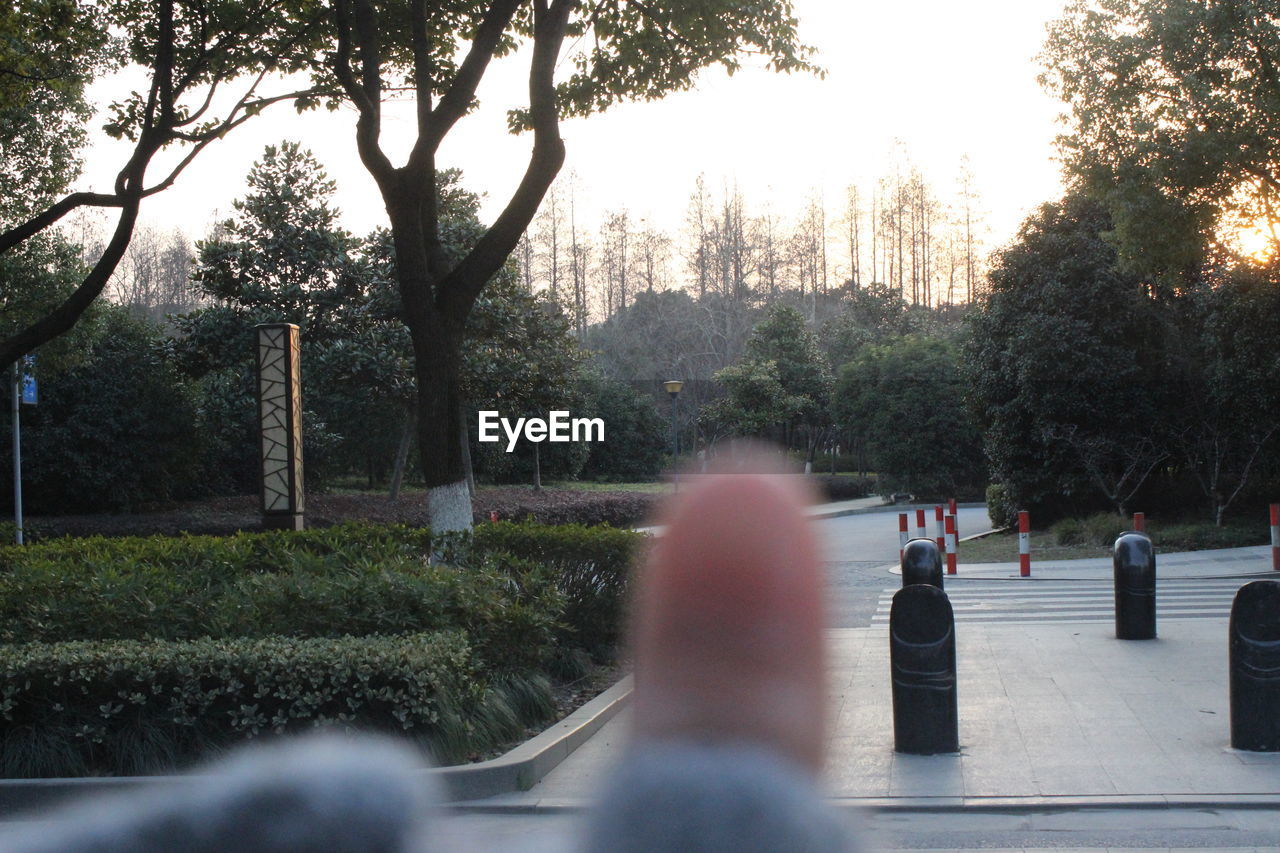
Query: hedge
x=137, y=655
x=132, y=707
x=590, y=566
x=509, y=586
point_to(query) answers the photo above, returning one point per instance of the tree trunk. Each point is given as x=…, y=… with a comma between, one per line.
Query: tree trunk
x=537, y=467
x=402, y=452
x=465, y=436
x=437, y=357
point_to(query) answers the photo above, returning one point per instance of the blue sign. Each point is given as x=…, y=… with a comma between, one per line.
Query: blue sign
x=28, y=380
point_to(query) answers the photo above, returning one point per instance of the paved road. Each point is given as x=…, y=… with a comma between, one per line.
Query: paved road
x=1006, y=602
x=859, y=547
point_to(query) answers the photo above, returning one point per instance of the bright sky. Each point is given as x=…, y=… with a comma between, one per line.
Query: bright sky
x=947, y=79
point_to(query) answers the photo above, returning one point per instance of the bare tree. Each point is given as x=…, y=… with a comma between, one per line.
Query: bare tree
x=652, y=258
x=153, y=277
x=770, y=253
x=698, y=222
x=971, y=225
x=548, y=255
x=579, y=254
x=615, y=261
x=524, y=260
x=853, y=225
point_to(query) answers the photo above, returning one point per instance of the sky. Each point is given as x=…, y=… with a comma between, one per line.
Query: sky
x=943, y=79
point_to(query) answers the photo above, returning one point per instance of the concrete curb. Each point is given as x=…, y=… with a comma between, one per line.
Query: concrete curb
x=522, y=767
x=517, y=770
x=818, y=512
x=942, y=805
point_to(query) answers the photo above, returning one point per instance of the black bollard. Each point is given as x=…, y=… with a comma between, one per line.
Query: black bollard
x=1255, y=667
x=1134, y=561
x=921, y=563
x=922, y=662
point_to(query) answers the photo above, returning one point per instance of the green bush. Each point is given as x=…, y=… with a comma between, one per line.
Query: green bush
x=512, y=587
x=133, y=707
x=1203, y=535
x=1068, y=531
x=1000, y=507
x=843, y=488
x=1102, y=528
x=353, y=579
x=590, y=566
x=115, y=431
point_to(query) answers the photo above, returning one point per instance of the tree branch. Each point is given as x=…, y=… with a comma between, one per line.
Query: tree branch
x=62, y=318
x=422, y=77
x=459, y=290
x=457, y=100
x=366, y=94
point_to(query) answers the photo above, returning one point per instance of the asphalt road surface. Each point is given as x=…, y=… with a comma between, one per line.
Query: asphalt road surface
x=859, y=550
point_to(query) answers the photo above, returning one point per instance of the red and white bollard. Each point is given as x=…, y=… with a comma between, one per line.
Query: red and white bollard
x=939, y=530
x=1275, y=537
x=953, y=544
x=902, y=535
x=1024, y=543
x=951, y=508
x=921, y=533
x=493, y=515
x=1140, y=522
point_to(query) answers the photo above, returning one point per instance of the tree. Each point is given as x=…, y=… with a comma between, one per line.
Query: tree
x=755, y=401
x=522, y=360
x=784, y=340
x=282, y=254
x=153, y=278
x=1175, y=119
x=637, y=50
x=1224, y=368
x=190, y=48
x=905, y=400
x=637, y=438
x=1066, y=366
x=282, y=258
x=49, y=51
x=114, y=430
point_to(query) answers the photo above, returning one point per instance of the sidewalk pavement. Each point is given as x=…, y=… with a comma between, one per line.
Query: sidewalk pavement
x=1050, y=714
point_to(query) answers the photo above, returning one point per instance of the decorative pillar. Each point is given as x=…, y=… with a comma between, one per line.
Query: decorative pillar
x=280, y=413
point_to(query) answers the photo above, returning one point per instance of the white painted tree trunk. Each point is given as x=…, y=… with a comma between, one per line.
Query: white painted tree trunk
x=449, y=507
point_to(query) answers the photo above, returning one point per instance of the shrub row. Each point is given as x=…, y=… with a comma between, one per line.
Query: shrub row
x=1102, y=529
x=564, y=506
x=508, y=587
x=843, y=488
x=184, y=589
x=134, y=707
x=590, y=567
x=149, y=652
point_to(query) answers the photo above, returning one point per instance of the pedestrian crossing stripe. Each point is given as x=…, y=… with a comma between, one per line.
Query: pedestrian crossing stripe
x=1017, y=602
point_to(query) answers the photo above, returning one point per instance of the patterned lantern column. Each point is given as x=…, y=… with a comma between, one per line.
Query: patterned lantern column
x=280, y=410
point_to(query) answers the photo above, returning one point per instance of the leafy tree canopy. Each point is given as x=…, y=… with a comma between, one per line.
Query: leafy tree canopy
x=784, y=338
x=1175, y=119
x=905, y=398
x=1066, y=361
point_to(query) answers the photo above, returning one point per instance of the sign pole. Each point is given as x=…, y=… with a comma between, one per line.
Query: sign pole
x=17, y=455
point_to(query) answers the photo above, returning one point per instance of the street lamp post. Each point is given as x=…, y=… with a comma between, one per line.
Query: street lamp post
x=673, y=387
